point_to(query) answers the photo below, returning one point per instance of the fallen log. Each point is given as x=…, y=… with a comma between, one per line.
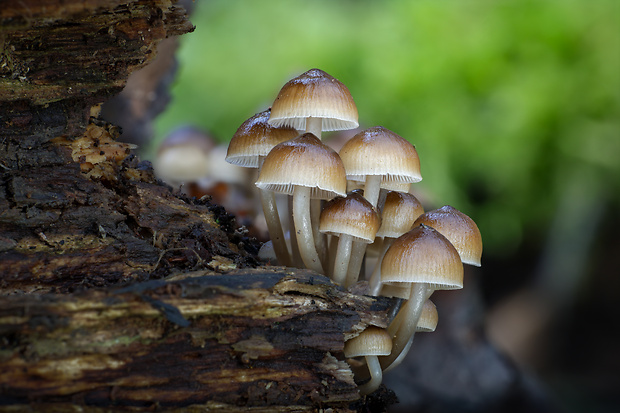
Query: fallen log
x=269, y=338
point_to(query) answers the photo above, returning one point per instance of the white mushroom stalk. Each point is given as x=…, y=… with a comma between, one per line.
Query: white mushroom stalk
x=305, y=168
x=248, y=148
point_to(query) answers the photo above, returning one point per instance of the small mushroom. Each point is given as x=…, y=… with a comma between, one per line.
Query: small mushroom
x=371, y=343
x=352, y=219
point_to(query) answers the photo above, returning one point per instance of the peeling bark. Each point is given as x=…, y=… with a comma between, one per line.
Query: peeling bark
x=271, y=337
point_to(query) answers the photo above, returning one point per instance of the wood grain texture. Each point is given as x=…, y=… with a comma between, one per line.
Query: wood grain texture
x=269, y=337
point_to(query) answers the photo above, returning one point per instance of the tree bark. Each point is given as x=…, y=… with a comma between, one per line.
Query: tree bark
x=112, y=293
x=270, y=339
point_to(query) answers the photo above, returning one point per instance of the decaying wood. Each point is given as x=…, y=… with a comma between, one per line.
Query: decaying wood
x=112, y=292
x=270, y=338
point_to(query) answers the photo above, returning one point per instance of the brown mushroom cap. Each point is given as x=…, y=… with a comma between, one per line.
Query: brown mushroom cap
x=423, y=255
x=429, y=317
x=379, y=151
x=303, y=161
x=255, y=138
x=373, y=341
x=460, y=230
x=399, y=213
x=318, y=95
x=352, y=215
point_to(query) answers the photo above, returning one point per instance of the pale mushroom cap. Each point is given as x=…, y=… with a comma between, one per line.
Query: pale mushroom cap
x=399, y=213
x=423, y=255
x=373, y=341
x=318, y=95
x=460, y=230
x=429, y=317
x=182, y=163
x=379, y=151
x=184, y=155
x=255, y=138
x=304, y=161
x=352, y=215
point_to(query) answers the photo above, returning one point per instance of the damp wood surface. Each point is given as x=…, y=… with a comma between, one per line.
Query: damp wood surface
x=116, y=292
x=251, y=338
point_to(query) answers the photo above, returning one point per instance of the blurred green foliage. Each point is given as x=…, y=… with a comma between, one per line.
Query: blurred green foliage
x=507, y=102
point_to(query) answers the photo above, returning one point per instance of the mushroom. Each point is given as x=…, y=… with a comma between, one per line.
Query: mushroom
x=427, y=261
x=426, y=324
x=248, y=147
x=305, y=168
x=370, y=344
x=460, y=230
x=399, y=213
x=183, y=156
x=351, y=219
x=375, y=156
x=314, y=101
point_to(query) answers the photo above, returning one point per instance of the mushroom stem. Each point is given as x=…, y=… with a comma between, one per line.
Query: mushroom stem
x=374, y=284
x=372, y=187
x=297, y=261
x=376, y=375
x=270, y=210
x=402, y=328
x=319, y=239
x=355, y=263
x=303, y=229
x=314, y=126
x=401, y=356
x=343, y=255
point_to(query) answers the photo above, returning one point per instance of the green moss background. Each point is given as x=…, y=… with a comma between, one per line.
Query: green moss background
x=508, y=103
x=513, y=106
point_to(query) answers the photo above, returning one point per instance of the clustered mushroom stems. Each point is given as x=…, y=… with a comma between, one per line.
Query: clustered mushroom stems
x=315, y=102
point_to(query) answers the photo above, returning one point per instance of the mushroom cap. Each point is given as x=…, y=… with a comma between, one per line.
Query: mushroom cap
x=255, y=138
x=184, y=155
x=379, y=151
x=373, y=341
x=304, y=161
x=399, y=213
x=352, y=215
x=429, y=317
x=423, y=255
x=318, y=95
x=460, y=230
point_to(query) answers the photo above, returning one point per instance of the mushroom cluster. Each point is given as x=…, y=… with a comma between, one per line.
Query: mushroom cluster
x=341, y=203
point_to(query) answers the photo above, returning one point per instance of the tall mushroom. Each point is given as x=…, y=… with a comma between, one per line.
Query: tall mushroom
x=427, y=261
x=305, y=168
x=315, y=101
x=377, y=155
x=248, y=147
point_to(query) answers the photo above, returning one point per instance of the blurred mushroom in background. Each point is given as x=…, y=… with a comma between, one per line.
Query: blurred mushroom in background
x=190, y=160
